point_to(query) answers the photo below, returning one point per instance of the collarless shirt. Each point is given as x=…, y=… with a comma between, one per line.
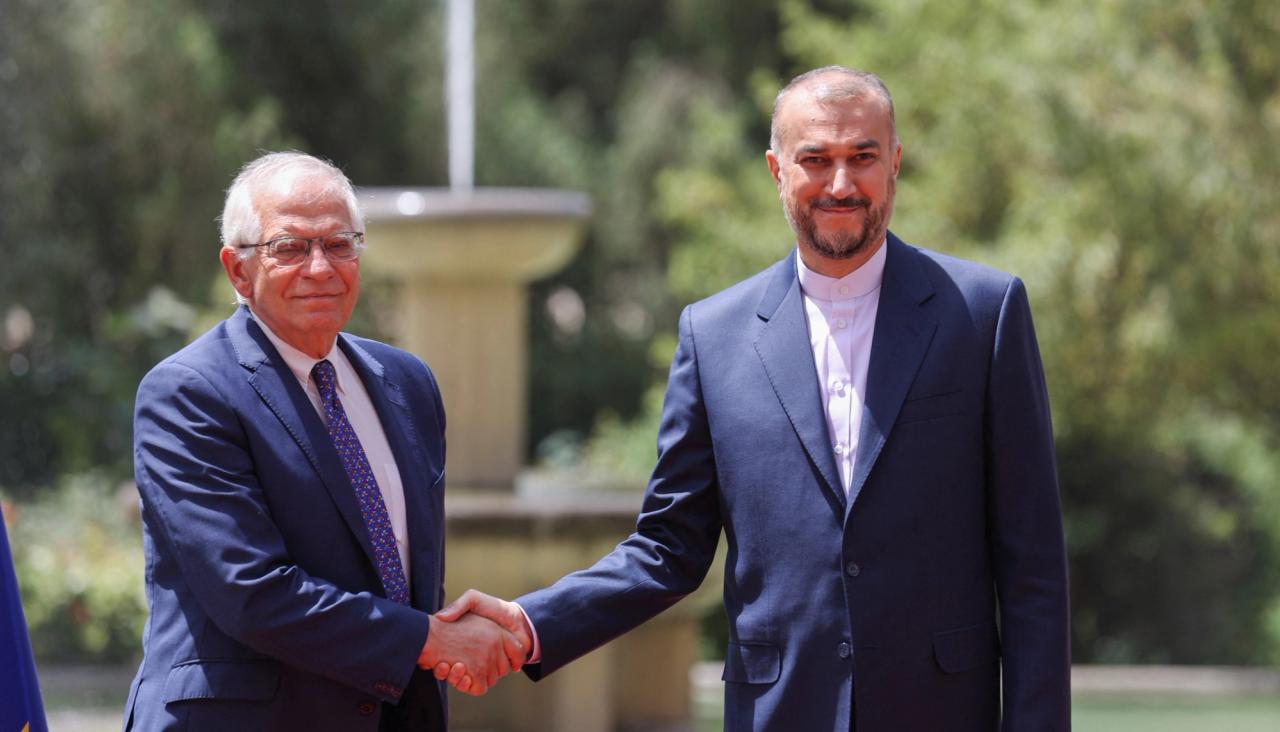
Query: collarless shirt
x=841, y=313
x=364, y=420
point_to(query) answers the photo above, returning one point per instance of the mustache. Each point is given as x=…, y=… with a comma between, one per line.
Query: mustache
x=846, y=202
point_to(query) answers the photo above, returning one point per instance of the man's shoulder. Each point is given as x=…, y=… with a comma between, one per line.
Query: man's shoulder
x=204, y=365
x=384, y=353
x=959, y=266
x=208, y=352
x=399, y=364
x=947, y=271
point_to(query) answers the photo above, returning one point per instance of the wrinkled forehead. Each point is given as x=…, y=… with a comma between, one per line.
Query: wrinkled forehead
x=832, y=106
x=300, y=191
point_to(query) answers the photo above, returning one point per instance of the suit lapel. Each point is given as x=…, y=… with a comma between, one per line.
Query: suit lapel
x=271, y=378
x=903, y=331
x=784, y=349
x=397, y=422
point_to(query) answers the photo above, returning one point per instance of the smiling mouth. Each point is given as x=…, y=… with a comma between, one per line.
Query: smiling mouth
x=841, y=205
x=840, y=210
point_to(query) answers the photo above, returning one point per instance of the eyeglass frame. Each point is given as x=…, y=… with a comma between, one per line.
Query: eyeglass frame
x=358, y=242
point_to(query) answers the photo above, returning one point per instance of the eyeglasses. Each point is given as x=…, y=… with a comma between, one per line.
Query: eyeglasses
x=290, y=251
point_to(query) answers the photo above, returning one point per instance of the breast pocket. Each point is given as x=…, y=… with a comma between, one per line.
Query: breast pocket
x=933, y=406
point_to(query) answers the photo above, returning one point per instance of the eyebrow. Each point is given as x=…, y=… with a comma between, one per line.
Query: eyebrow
x=862, y=145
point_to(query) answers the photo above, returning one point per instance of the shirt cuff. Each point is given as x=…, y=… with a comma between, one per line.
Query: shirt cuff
x=535, y=655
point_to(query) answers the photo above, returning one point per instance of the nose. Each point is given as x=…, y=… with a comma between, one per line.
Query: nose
x=842, y=182
x=317, y=265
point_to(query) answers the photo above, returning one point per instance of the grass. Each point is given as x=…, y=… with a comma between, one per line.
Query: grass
x=1123, y=714
x=1175, y=714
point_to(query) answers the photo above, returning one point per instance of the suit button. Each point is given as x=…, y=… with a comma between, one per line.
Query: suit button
x=852, y=569
x=844, y=650
x=366, y=708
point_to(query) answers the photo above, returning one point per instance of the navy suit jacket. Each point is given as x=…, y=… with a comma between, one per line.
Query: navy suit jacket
x=266, y=610
x=904, y=606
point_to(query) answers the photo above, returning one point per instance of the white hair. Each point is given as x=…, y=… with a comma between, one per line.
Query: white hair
x=241, y=224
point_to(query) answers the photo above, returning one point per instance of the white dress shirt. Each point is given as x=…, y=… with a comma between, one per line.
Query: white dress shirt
x=842, y=320
x=364, y=420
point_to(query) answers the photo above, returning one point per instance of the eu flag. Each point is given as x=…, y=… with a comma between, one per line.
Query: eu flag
x=20, y=707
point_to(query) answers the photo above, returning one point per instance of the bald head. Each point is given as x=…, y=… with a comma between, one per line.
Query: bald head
x=827, y=85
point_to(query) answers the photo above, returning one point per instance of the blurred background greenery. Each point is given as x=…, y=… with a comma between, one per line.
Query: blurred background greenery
x=1121, y=156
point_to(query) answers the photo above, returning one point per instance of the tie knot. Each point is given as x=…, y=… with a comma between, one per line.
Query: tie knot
x=325, y=378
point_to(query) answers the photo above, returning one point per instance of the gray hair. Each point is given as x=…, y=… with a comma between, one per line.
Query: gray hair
x=240, y=222
x=849, y=83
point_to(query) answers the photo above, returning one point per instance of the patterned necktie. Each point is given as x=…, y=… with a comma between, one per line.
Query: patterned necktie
x=366, y=486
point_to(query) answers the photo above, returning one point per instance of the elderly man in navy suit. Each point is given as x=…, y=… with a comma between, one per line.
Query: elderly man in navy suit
x=292, y=481
x=867, y=422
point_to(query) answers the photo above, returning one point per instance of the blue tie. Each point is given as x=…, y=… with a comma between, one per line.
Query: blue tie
x=366, y=486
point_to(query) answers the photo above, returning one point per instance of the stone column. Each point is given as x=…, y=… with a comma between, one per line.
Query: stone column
x=462, y=263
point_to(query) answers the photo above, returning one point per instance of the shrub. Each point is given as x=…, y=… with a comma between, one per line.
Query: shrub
x=77, y=548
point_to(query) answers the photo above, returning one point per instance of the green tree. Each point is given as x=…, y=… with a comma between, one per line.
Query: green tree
x=117, y=121
x=1119, y=157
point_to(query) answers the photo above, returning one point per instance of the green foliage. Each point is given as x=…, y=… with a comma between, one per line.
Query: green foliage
x=78, y=555
x=605, y=100
x=1120, y=157
x=100, y=211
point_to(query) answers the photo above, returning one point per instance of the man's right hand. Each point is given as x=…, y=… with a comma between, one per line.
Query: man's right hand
x=508, y=615
x=482, y=651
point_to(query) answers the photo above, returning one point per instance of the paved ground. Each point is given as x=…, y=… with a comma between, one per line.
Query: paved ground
x=90, y=699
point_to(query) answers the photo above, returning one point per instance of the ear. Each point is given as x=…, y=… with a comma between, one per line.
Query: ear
x=774, y=168
x=897, y=158
x=236, y=272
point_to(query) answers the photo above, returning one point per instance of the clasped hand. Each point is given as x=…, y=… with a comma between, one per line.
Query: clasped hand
x=475, y=641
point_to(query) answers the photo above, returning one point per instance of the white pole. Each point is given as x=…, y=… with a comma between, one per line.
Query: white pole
x=460, y=92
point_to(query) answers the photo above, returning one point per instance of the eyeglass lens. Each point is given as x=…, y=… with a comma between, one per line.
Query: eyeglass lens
x=337, y=248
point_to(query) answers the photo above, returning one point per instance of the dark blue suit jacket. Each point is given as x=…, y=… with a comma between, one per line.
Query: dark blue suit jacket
x=906, y=605
x=266, y=610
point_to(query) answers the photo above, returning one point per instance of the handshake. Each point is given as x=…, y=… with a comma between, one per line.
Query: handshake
x=475, y=641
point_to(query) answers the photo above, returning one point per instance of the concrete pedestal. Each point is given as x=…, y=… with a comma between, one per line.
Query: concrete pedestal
x=507, y=545
x=460, y=263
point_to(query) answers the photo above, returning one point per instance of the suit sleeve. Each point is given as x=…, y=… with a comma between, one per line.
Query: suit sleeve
x=205, y=506
x=1025, y=517
x=673, y=545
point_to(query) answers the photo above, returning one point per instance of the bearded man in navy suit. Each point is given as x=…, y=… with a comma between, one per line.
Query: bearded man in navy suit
x=292, y=482
x=867, y=422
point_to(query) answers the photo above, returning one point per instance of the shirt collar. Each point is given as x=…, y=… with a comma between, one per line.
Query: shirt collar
x=862, y=281
x=297, y=361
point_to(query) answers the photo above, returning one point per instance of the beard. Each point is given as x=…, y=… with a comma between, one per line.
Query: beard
x=841, y=244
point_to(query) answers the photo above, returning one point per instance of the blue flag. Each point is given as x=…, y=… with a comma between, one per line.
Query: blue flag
x=20, y=707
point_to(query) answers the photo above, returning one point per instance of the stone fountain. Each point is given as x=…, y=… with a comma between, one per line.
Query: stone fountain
x=460, y=260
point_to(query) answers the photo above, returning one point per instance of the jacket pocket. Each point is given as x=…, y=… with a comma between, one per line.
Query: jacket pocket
x=234, y=679
x=966, y=648
x=752, y=663
x=932, y=407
